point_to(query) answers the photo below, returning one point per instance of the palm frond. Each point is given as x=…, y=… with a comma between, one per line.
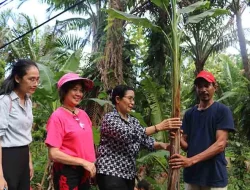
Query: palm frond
x=227, y=40
x=82, y=8
x=72, y=24
x=70, y=42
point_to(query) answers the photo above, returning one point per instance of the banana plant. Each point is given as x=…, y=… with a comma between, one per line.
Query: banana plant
x=47, y=91
x=158, y=111
x=174, y=42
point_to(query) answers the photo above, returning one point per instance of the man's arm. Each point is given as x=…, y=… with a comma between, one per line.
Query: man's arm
x=184, y=144
x=178, y=161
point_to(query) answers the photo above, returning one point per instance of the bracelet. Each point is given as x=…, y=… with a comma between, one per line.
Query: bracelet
x=156, y=131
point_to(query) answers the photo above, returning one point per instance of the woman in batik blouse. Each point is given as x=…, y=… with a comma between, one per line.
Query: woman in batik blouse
x=122, y=136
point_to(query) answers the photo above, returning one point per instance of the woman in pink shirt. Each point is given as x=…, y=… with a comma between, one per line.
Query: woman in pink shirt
x=69, y=137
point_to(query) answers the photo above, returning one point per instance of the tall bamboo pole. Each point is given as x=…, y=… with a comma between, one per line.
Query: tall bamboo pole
x=174, y=174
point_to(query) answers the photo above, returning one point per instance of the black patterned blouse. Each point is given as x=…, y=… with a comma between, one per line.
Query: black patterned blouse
x=120, y=143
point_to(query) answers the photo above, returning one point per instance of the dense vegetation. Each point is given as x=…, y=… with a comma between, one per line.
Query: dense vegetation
x=138, y=52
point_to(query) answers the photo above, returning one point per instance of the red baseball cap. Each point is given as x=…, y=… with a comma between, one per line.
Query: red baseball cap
x=88, y=84
x=209, y=77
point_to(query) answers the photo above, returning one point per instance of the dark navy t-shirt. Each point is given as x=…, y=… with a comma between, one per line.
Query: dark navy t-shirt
x=200, y=127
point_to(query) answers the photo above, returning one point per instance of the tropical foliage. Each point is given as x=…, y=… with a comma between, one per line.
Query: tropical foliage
x=137, y=43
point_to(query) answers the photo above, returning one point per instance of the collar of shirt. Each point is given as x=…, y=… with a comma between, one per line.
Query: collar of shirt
x=116, y=113
x=14, y=96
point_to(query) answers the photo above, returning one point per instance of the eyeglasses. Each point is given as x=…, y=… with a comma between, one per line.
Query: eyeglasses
x=34, y=80
x=130, y=98
x=79, y=121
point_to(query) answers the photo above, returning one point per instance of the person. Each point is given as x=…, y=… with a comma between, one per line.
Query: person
x=16, y=169
x=69, y=136
x=121, y=139
x=205, y=134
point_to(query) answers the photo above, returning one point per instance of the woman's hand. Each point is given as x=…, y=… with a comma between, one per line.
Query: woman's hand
x=3, y=183
x=89, y=166
x=31, y=170
x=165, y=146
x=31, y=166
x=169, y=124
x=161, y=146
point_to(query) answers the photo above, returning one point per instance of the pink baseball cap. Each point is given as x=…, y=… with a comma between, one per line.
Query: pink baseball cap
x=209, y=77
x=88, y=84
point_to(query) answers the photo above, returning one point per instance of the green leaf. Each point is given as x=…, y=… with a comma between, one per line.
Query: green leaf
x=227, y=95
x=99, y=101
x=102, y=95
x=73, y=62
x=151, y=91
x=211, y=12
x=134, y=19
x=73, y=23
x=139, y=117
x=196, y=6
x=47, y=81
x=238, y=144
x=96, y=135
x=159, y=153
x=161, y=3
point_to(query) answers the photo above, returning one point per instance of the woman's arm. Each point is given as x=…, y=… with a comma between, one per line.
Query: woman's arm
x=56, y=155
x=167, y=124
x=161, y=146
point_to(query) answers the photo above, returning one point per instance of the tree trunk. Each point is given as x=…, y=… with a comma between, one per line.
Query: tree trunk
x=174, y=174
x=95, y=27
x=242, y=42
x=199, y=65
x=111, y=65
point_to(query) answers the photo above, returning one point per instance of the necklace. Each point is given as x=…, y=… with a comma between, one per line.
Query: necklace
x=75, y=117
x=72, y=111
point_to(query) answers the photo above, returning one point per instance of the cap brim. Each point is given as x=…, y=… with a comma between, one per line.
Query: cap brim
x=88, y=84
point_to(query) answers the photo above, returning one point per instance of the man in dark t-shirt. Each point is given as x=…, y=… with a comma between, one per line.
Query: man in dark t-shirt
x=205, y=133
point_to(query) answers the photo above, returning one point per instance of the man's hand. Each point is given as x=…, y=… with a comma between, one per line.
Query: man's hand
x=178, y=161
x=173, y=132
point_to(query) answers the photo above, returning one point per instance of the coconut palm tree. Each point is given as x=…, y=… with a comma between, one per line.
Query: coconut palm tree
x=237, y=7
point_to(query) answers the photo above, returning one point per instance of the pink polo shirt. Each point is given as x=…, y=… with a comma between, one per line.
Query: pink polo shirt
x=65, y=133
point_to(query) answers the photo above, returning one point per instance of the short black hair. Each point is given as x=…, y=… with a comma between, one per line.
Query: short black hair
x=66, y=87
x=120, y=91
x=143, y=184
